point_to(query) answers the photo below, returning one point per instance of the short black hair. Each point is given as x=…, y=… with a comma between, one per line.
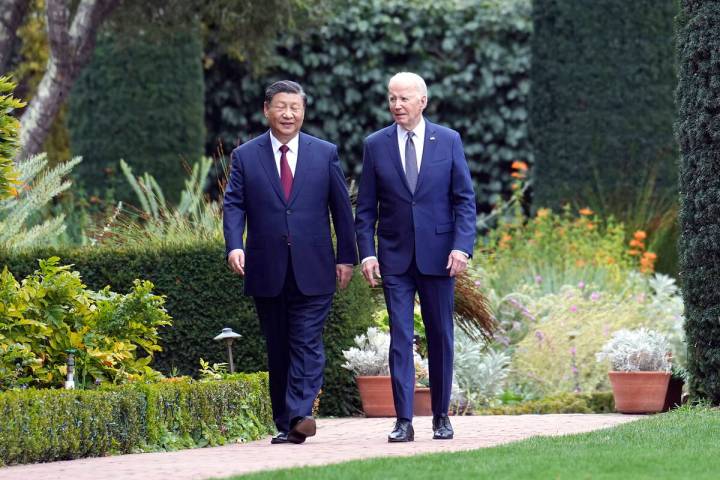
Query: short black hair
x=284, y=86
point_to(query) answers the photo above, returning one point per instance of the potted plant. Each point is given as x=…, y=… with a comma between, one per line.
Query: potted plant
x=640, y=370
x=368, y=360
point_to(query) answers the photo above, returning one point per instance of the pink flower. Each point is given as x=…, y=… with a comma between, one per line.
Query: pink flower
x=595, y=296
x=539, y=335
x=538, y=279
x=572, y=351
x=573, y=308
x=581, y=285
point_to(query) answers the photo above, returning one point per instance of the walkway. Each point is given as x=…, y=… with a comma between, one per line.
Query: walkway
x=337, y=440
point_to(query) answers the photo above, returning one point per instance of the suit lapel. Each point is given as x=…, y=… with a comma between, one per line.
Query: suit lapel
x=428, y=156
x=394, y=154
x=304, y=158
x=267, y=160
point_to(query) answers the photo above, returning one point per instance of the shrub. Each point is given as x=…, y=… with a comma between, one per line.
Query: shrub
x=203, y=296
x=52, y=313
x=473, y=55
x=140, y=99
x=697, y=132
x=48, y=425
x=601, y=108
x=9, y=127
x=570, y=327
x=595, y=402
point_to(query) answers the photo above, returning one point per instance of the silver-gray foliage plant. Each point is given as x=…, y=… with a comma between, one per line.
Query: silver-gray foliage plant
x=636, y=350
x=370, y=355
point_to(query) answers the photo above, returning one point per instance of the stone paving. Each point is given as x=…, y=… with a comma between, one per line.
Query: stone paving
x=337, y=440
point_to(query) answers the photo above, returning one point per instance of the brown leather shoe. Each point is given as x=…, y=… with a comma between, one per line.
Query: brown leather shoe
x=442, y=430
x=302, y=428
x=403, y=431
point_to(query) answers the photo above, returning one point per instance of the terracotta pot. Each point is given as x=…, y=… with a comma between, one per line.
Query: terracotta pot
x=376, y=396
x=639, y=392
x=422, y=406
x=673, y=399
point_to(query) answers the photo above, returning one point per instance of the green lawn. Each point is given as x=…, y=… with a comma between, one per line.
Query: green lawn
x=679, y=445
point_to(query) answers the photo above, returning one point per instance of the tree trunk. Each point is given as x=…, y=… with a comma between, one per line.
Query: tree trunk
x=70, y=51
x=12, y=13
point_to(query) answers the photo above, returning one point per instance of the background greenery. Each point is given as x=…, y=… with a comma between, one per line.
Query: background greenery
x=474, y=56
x=203, y=296
x=139, y=99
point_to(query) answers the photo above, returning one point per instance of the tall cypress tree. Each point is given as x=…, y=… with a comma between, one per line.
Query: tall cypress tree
x=698, y=133
x=601, y=101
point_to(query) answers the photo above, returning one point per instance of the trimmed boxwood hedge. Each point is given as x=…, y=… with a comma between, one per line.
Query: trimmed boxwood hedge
x=203, y=296
x=47, y=425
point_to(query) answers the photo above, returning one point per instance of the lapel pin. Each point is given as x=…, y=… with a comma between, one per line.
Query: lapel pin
x=432, y=139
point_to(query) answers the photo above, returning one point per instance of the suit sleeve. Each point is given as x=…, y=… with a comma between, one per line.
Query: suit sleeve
x=366, y=213
x=463, y=197
x=234, y=206
x=341, y=213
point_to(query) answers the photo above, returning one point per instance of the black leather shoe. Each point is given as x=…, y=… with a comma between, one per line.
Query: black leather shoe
x=403, y=431
x=442, y=430
x=281, y=437
x=302, y=427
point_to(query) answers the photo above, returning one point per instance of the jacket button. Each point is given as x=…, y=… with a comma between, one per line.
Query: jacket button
x=288, y=211
x=413, y=204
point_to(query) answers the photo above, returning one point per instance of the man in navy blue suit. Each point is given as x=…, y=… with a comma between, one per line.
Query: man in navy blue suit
x=416, y=189
x=283, y=187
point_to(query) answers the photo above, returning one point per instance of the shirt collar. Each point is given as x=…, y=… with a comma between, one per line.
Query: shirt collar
x=419, y=130
x=292, y=144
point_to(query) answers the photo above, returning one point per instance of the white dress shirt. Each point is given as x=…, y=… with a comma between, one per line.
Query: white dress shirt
x=291, y=154
x=418, y=141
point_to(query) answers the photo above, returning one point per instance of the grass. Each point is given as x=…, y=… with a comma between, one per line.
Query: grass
x=677, y=445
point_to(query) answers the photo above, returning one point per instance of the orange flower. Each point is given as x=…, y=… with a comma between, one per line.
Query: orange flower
x=517, y=175
x=640, y=235
x=650, y=255
x=514, y=186
x=14, y=192
x=580, y=262
x=637, y=243
x=519, y=165
x=585, y=211
x=590, y=226
x=634, y=252
x=543, y=212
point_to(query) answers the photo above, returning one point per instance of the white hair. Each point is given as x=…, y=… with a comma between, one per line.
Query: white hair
x=411, y=77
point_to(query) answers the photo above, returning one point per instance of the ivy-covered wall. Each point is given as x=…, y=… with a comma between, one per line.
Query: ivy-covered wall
x=698, y=133
x=601, y=103
x=474, y=56
x=140, y=99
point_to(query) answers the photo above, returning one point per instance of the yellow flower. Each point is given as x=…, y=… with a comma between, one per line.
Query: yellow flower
x=585, y=211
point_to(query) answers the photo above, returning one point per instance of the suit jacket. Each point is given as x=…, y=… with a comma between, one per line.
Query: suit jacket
x=437, y=218
x=254, y=197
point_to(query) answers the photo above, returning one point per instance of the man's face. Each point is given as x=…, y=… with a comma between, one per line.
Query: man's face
x=285, y=114
x=406, y=103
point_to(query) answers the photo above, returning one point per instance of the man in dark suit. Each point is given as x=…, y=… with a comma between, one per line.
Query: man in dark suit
x=416, y=188
x=283, y=185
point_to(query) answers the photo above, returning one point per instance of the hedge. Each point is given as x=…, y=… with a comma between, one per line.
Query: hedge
x=699, y=138
x=49, y=425
x=140, y=99
x=601, y=103
x=474, y=56
x=203, y=296
x=595, y=402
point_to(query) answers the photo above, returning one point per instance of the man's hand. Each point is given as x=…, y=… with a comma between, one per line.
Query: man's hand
x=457, y=263
x=371, y=271
x=236, y=260
x=344, y=274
